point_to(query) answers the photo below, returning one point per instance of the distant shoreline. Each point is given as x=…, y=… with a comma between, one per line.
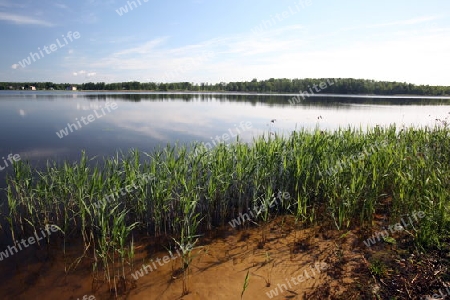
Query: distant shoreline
x=281, y=86
x=240, y=93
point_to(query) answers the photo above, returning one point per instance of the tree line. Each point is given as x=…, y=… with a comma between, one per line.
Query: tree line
x=283, y=85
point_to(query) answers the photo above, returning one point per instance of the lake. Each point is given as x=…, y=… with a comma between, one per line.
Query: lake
x=40, y=125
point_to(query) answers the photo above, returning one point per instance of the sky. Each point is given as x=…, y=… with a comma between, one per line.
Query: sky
x=76, y=41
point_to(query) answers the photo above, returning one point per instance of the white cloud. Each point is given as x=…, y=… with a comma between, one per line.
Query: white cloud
x=23, y=20
x=229, y=55
x=405, y=22
x=83, y=72
x=60, y=5
x=15, y=66
x=89, y=18
x=293, y=51
x=79, y=73
x=144, y=49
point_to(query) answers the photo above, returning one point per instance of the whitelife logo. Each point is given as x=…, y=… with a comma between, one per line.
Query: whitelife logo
x=124, y=9
x=31, y=240
x=166, y=259
x=91, y=118
x=267, y=24
x=225, y=137
x=48, y=49
x=259, y=209
x=319, y=266
x=11, y=158
x=318, y=88
x=393, y=228
x=86, y=297
x=124, y=191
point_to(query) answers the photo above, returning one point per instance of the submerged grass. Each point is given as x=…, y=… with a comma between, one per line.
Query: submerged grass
x=339, y=178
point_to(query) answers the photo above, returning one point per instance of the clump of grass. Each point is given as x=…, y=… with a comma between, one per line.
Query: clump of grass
x=389, y=240
x=378, y=268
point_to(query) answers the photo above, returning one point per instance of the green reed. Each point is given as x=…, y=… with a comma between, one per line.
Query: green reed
x=338, y=179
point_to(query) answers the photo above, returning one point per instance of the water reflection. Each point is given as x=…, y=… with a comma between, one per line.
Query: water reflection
x=29, y=121
x=270, y=99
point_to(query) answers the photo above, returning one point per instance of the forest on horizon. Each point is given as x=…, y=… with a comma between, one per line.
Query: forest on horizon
x=316, y=86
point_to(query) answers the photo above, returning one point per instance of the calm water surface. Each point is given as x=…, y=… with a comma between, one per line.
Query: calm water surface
x=29, y=121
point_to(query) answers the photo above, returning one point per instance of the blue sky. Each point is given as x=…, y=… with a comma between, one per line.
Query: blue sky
x=217, y=40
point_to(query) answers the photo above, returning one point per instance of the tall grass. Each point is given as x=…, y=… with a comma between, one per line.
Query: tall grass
x=340, y=178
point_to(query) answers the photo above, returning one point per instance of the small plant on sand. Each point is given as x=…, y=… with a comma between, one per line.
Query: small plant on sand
x=246, y=281
x=269, y=271
x=378, y=268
